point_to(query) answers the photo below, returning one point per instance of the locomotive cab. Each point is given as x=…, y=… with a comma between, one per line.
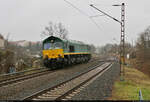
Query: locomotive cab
x=58, y=52
x=52, y=51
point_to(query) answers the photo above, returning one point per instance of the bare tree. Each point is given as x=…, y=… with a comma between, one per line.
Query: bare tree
x=49, y=30
x=57, y=29
x=7, y=41
x=93, y=48
x=61, y=31
x=143, y=51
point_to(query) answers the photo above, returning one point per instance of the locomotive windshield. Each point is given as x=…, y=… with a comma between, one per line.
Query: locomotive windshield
x=56, y=45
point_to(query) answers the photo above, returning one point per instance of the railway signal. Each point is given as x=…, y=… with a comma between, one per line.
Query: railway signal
x=122, y=39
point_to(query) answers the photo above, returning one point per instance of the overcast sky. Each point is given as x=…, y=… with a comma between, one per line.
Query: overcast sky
x=26, y=19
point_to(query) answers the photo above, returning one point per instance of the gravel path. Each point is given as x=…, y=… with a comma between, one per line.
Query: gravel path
x=19, y=90
x=101, y=88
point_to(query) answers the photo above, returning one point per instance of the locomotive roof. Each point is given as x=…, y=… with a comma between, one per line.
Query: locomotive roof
x=74, y=41
x=64, y=40
x=52, y=37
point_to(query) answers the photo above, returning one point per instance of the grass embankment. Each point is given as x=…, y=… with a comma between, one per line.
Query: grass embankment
x=129, y=89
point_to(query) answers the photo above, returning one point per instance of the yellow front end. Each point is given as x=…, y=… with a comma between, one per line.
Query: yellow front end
x=53, y=53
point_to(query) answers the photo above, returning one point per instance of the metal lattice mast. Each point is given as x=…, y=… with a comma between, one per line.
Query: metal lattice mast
x=122, y=41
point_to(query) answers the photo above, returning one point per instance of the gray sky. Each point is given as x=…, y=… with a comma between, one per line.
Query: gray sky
x=26, y=19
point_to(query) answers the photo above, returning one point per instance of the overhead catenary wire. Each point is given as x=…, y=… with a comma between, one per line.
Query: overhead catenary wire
x=84, y=14
x=76, y=8
x=95, y=23
x=105, y=13
x=114, y=31
x=92, y=18
x=108, y=5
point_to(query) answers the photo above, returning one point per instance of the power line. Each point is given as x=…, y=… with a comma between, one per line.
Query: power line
x=105, y=13
x=84, y=14
x=96, y=4
x=76, y=8
x=95, y=23
x=95, y=17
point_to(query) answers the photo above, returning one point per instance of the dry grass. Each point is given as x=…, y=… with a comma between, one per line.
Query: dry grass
x=129, y=89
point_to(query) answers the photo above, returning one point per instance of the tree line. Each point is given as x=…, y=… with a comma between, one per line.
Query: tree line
x=20, y=57
x=142, y=51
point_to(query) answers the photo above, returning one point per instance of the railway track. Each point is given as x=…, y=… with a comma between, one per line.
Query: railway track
x=23, y=77
x=67, y=89
x=19, y=76
x=10, y=76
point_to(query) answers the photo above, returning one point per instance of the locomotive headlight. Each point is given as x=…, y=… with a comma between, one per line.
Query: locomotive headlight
x=52, y=41
x=59, y=55
x=46, y=56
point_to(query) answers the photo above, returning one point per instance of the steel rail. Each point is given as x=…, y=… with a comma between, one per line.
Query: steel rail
x=78, y=86
x=39, y=93
x=27, y=76
x=20, y=72
x=29, y=70
x=21, y=75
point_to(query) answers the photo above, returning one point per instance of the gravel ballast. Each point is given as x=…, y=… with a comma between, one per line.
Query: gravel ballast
x=101, y=88
x=20, y=90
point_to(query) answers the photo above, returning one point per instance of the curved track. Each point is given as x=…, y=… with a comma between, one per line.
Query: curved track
x=69, y=88
x=19, y=76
